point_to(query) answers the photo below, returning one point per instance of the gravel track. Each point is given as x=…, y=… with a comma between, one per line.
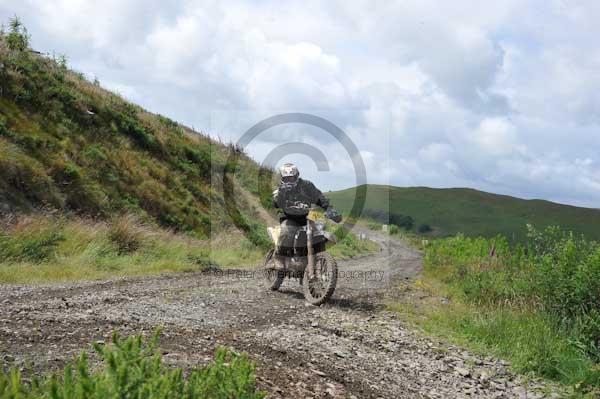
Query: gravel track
x=349, y=348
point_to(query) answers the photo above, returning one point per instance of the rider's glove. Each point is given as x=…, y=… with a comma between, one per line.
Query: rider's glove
x=332, y=214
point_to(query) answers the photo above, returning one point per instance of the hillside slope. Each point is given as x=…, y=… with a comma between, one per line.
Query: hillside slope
x=68, y=145
x=92, y=186
x=472, y=212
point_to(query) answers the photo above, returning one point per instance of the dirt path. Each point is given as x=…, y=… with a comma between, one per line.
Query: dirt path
x=348, y=348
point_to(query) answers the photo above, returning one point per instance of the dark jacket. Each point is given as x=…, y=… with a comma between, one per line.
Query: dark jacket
x=295, y=199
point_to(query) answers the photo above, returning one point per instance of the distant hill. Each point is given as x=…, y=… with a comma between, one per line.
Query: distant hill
x=472, y=212
x=68, y=146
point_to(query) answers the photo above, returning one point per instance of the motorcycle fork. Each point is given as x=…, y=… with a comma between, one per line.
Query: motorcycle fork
x=310, y=249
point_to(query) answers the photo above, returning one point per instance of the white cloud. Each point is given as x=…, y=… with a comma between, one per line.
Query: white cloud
x=436, y=152
x=499, y=96
x=496, y=136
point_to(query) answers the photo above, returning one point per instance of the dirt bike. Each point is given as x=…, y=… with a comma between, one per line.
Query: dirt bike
x=309, y=262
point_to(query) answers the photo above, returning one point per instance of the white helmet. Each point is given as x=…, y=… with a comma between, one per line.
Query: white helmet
x=289, y=173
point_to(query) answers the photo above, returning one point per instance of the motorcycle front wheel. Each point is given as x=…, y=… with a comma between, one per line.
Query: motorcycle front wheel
x=273, y=278
x=320, y=288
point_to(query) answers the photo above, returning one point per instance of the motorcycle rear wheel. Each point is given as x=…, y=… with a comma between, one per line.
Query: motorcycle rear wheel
x=318, y=290
x=273, y=278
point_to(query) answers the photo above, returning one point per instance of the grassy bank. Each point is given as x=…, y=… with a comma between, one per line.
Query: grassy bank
x=132, y=368
x=71, y=147
x=45, y=249
x=537, y=305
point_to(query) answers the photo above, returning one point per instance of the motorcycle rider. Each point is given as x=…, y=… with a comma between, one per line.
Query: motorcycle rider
x=294, y=197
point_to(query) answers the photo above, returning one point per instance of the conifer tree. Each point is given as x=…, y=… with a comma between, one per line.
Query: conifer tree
x=17, y=37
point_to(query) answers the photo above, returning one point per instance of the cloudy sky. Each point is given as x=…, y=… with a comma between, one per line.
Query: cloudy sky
x=500, y=96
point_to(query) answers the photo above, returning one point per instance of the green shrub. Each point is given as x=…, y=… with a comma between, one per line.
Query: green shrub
x=265, y=186
x=200, y=157
x=374, y=226
x=82, y=193
x=26, y=177
x=387, y=217
x=71, y=172
x=202, y=260
x=393, y=229
x=555, y=276
x=133, y=128
x=533, y=342
x=95, y=154
x=424, y=228
x=4, y=130
x=132, y=368
x=167, y=122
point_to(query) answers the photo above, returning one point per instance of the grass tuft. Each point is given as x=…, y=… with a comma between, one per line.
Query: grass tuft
x=128, y=234
x=29, y=240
